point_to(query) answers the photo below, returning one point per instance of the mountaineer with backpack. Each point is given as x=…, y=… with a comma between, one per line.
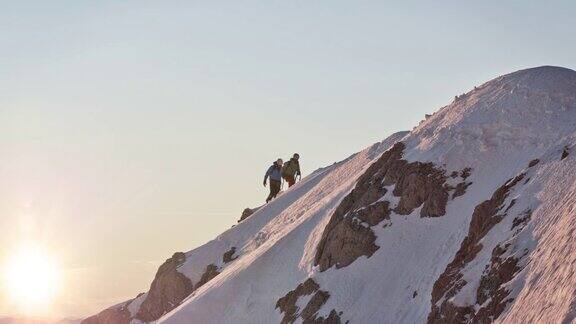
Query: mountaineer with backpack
x=291, y=170
x=275, y=174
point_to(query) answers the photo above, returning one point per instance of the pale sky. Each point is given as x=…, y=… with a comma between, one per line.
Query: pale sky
x=134, y=129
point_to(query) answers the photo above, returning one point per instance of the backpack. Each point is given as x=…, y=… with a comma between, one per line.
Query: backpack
x=287, y=168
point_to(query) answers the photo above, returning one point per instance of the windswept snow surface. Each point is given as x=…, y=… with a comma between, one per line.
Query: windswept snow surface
x=496, y=130
x=275, y=246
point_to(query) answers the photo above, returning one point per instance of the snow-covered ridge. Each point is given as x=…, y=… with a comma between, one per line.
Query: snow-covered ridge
x=469, y=217
x=525, y=110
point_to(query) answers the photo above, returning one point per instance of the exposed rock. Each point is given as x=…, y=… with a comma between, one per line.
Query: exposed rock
x=309, y=312
x=418, y=184
x=287, y=305
x=118, y=314
x=501, y=271
x=484, y=218
x=210, y=272
x=375, y=213
x=510, y=205
x=346, y=241
x=522, y=219
x=460, y=189
x=247, y=213
x=465, y=173
x=492, y=295
x=564, y=153
x=167, y=290
x=229, y=255
x=533, y=163
x=333, y=318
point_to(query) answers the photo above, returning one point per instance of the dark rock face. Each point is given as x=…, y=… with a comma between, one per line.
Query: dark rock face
x=229, y=255
x=460, y=189
x=118, y=314
x=522, y=220
x=375, y=213
x=565, y=153
x=167, y=290
x=347, y=241
x=533, y=163
x=210, y=272
x=465, y=173
x=500, y=270
x=287, y=305
x=420, y=184
x=246, y=213
x=348, y=234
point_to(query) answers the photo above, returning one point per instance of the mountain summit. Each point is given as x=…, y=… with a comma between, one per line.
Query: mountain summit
x=468, y=218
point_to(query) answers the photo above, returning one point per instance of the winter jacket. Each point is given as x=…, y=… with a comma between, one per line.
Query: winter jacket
x=291, y=168
x=274, y=172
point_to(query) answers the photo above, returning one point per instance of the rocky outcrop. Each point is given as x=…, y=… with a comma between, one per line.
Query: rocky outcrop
x=229, y=255
x=501, y=270
x=167, y=290
x=465, y=173
x=287, y=305
x=533, y=163
x=346, y=241
x=210, y=272
x=522, y=220
x=348, y=234
x=118, y=314
x=460, y=189
x=565, y=153
x=247, y=213
x=490, y=293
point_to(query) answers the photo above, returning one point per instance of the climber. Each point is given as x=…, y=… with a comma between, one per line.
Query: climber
x=274, y=172
x=291, y=170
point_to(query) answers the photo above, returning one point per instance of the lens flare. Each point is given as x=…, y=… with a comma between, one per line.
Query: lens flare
x=31, y=278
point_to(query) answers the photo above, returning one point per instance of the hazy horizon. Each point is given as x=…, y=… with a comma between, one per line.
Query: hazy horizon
x=132, y=131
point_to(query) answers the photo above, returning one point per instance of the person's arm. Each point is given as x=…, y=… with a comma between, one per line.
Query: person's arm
x=298, y=169
x=267, y=174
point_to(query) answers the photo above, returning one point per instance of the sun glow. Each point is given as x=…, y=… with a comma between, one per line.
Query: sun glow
x=31, y=278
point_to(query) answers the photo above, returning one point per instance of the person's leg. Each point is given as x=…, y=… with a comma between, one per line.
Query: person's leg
x=291, y=181
x=274, y=188
x=269, y=196
x=272, y=193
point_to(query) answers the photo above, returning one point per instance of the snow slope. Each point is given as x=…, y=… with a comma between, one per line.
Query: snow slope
x=467, y=218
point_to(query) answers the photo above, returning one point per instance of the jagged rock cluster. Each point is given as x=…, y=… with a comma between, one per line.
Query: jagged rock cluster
x=491, y=295
x=247, y=212
x=118, y=314
x=167, y=290
x=308, y=314
x=349, y=235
